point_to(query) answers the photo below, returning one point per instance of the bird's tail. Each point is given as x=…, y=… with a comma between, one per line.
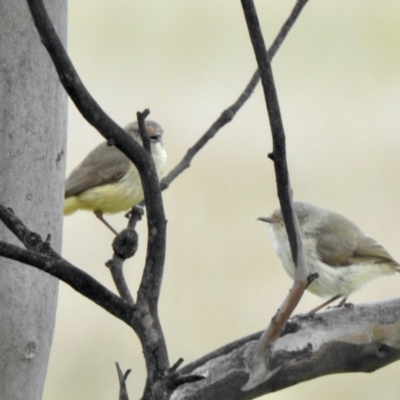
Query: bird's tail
x=71, y=204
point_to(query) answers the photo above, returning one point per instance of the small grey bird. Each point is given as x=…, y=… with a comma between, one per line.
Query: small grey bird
x=106, y=181
x=344, y=257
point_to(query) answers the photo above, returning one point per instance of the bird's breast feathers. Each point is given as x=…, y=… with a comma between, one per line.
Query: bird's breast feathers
x=332, y=280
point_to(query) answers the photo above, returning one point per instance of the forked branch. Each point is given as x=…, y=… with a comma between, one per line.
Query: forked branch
x=228, y=114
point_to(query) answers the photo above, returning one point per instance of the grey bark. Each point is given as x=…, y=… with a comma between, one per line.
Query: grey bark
x=362, y=339
x=33, y=115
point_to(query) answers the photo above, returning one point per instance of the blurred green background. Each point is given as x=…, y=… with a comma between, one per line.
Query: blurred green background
x=338, y=81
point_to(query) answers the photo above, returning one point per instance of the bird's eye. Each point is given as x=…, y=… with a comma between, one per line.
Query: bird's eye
x=155, y=138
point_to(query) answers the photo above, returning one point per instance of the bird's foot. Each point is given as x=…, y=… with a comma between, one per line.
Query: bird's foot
x=343, y=304
x=307, y=316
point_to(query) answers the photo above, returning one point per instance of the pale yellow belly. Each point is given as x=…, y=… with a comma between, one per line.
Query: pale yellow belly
x=108, y=199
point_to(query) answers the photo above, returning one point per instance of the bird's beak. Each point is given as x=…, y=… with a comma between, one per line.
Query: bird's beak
x=270, y=220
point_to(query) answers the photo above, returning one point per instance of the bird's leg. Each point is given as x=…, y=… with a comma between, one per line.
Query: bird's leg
x=344, y=304
x=99, y=215
x=314, y=310
x=311, y=314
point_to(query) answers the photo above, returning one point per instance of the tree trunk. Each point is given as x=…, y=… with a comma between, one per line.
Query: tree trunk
x=33, y=111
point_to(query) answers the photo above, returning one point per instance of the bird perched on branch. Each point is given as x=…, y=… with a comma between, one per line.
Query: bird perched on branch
x=344, y=257
x=106, y=181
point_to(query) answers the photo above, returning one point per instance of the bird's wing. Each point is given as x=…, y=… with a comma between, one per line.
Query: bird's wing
x=369, y=249
x=102, y=166
x=335, y=250
x=338, y=246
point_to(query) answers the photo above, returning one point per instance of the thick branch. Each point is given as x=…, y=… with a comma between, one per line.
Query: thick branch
x=43, y=257
x=141, y=117
x=78, y=280
x=228, y=114
x=339, y=340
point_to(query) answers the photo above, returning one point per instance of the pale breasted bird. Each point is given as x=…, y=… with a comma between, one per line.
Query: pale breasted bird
x=344, y=257
x=106, y=181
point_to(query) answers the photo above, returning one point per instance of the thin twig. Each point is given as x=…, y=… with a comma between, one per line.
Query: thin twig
x=124, y=245
x=278, y=322
x=141, y=117
x=116, y=265
x=175, y=367
x=228, y=114
x=77, y=91
x=123, y=392
x=43, y=257
x=134, y=215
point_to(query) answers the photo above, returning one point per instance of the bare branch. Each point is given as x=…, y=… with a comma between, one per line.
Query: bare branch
x=125, y=246
x=276, y=44
x=141, y=117
x=275, y=120
x=30, y=240
x=134, y=215
x=116, y=265
x=76, y=90
x=278, y=322
x=175, y=366
x=42, y=256
x=79, y=280
x=228, y=114
x=283, y=183
x=123, y=392
x=338, y=340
